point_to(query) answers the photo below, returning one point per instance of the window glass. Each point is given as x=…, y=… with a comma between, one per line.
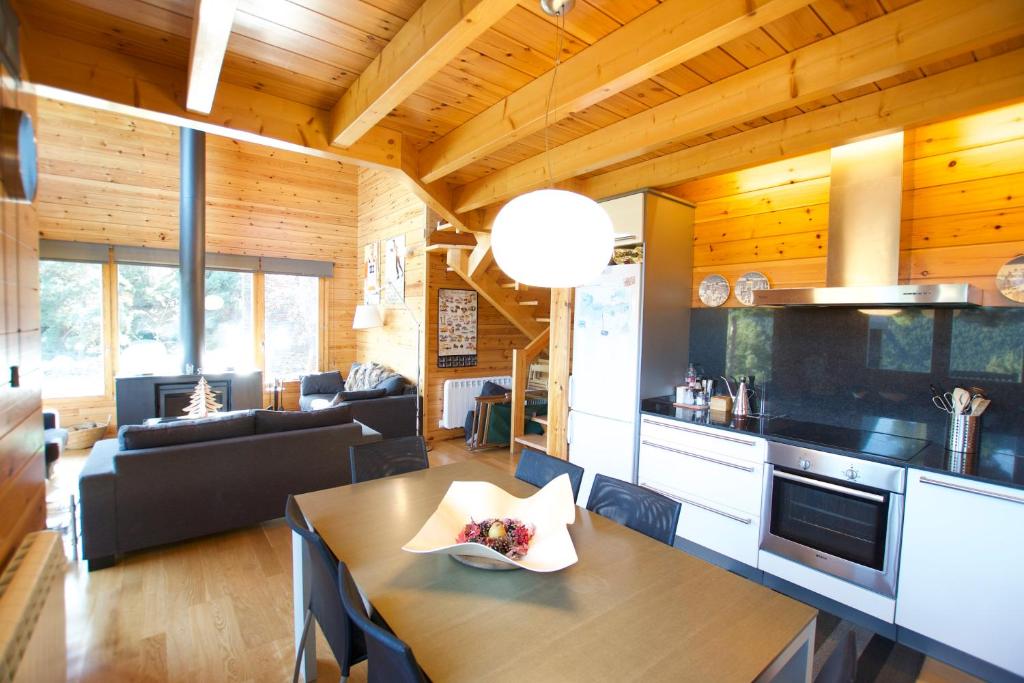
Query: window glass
x=901, y=342
x=988, y=344
x=749, y=343
x=229, y=328
x=292, y=320
x=149, y=300
x=71, y=328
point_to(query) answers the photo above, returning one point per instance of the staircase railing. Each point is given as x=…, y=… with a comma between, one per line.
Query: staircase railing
x=521, y=361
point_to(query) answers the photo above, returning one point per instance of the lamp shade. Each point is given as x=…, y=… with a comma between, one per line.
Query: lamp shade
x=367, y=316
x=552, y=238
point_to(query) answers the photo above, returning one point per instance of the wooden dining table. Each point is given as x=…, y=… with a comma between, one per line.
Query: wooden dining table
x=631, y=608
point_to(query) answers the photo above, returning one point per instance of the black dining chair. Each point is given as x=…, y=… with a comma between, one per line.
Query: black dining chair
x=640, y=509
x=539, y=468
x=347, y=642
x=841, y=665
x=387, y=458
x=389, y=660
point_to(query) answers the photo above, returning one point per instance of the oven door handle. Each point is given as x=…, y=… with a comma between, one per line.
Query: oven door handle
x=831, y=487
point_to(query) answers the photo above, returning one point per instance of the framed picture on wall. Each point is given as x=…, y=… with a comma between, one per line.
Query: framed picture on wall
x=456, y=328
x=394, y=270
x=371, y=273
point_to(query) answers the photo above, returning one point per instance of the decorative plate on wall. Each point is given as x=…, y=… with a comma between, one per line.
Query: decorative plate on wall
x=747, y=283
x=1010, y=279
x=713, y=290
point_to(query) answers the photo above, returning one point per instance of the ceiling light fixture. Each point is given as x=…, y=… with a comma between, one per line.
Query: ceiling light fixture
x=551, y=237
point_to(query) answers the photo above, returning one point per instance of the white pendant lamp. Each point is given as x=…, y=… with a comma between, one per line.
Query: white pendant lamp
x=552, y=238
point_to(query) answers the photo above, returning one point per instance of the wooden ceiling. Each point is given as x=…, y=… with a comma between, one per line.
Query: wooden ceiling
x=469, y=106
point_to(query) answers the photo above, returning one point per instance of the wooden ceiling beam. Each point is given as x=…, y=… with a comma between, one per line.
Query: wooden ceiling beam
x=79, y=73
x=211, y=28
x=657, y=40
x=922, y=33
x=992, y=82
x=433, y=37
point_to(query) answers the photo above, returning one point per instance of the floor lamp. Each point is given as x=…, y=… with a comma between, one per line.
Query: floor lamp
x=368, y=316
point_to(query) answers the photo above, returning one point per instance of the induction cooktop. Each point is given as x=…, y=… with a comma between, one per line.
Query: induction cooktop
x=873, y=443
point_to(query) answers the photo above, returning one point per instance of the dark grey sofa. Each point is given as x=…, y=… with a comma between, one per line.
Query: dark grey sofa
x=135, y=494
x=392, y=415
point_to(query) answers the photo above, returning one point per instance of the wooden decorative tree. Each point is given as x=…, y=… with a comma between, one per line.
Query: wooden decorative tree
x=203, y=400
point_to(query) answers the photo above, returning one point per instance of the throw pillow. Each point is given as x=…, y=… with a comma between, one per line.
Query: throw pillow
x=392, y=386
x=268, y=421
x=344, y=396
x=228, y=426
x=321, y=383
x=367, y=376
x=492, y=389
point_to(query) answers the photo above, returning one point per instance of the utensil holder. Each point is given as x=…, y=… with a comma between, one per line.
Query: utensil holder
x=964, y=432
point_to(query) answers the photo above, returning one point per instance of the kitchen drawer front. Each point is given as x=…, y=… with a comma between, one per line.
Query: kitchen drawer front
x=734, y=482
x=730, y=532
x=701, y=439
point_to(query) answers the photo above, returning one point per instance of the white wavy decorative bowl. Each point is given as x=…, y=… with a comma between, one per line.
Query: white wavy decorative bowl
x=550, y=510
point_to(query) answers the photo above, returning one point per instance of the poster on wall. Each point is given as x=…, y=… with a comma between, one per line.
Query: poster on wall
x=394, y=270
x=456, y=328
x=371, y=273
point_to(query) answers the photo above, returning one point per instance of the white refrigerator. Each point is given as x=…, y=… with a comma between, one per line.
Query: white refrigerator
x=604, y=385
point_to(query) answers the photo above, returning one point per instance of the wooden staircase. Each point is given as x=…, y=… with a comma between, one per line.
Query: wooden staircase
x=469, y=255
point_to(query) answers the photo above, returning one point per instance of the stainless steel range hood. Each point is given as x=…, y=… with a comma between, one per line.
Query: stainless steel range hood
x=865, y=197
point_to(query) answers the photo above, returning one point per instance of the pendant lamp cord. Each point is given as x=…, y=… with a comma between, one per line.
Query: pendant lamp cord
x=559, y=33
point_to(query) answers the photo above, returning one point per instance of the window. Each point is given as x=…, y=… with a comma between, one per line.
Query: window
x=749, y=343
x=988, y=345
x=229, y=328
x=292, y=322
x=901, y=342
x=71, y=320
x=148, y=317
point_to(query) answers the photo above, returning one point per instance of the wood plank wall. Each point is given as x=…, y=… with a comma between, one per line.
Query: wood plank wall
x=963, y=210
x=496, y=337
x=388, y=209
x=22, y=467
x=113, y=179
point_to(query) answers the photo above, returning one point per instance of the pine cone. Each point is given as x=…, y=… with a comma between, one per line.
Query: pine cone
x=502, y=545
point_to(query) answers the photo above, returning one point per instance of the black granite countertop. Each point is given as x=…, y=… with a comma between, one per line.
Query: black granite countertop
x=1000, y=458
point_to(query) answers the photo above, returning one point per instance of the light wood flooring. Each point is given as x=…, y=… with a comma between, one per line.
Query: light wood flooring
x=218, y=608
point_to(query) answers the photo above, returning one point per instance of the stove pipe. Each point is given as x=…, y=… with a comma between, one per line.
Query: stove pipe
x=192, y=246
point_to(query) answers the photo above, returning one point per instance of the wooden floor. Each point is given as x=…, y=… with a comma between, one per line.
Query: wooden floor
x=218, y=608
x=214, y=609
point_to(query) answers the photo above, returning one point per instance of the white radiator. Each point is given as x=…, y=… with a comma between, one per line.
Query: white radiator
x=460, y=398
x=32, y=631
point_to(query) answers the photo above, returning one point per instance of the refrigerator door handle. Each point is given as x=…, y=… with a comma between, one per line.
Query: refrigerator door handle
x=571, y=402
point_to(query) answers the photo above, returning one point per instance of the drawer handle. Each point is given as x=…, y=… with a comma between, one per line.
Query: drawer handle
x=971, y=489
x=744, y=442
x=686, y=501
x=726, y=463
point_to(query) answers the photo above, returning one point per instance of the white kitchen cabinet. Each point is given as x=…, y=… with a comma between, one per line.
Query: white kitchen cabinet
x=716, y=475
x=961, y=577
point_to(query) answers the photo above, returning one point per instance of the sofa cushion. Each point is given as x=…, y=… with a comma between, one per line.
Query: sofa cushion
x=228, y=426
x=367, y=376
x=392, y=386
x=322, y=383
x=343, y=396
x=268, y=421
x=492, y=389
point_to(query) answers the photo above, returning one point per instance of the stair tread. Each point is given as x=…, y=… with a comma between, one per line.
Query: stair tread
x=540, y=419
x=536, y=441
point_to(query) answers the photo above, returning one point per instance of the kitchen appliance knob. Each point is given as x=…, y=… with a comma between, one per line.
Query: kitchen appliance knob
x=805, y=464
x=851, y=474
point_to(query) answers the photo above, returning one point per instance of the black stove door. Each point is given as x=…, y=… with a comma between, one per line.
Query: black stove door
x=833, y=518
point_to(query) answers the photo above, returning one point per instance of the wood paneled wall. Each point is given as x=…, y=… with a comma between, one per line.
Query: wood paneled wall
x=963, y=210
x=110, y=178
x=386, y=209
x=22, y=467
x=496, y=337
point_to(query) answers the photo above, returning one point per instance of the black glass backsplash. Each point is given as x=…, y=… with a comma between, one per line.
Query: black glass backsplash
x=853, y=369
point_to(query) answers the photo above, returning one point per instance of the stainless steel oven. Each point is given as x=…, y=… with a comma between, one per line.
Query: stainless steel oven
x=837, y=514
